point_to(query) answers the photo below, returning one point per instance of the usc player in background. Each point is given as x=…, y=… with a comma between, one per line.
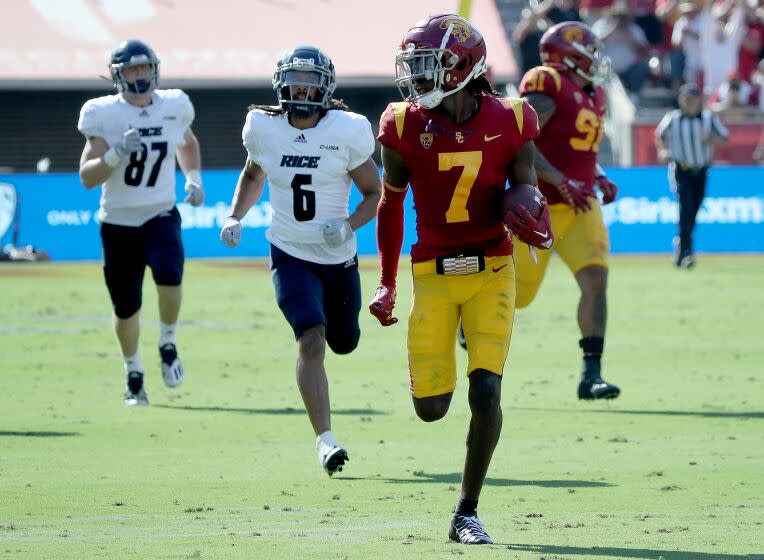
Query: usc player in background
x=456, y=142
x=571, y=106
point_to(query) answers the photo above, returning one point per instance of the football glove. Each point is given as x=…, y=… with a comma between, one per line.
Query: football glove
x=536, y=233
x=574, y=194
x=608, y=188
x=231, y=232
x=382, y=305
x=337, y=231
x=129, y=143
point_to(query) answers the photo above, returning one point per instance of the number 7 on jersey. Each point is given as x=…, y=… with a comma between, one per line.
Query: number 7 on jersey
x=471, y=162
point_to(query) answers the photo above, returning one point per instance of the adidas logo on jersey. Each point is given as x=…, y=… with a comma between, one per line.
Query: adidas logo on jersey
x=301, y=139
x=144, y=113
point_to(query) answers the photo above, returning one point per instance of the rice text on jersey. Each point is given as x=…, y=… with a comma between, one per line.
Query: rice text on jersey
x=310, y=162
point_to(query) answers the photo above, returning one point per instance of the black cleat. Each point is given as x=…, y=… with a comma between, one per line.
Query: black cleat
x=468, y=529
x=597, y=388
x=592, y=386
x=460, y=337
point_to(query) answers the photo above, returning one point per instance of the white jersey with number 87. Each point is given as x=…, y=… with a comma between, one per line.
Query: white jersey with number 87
x=143, y=184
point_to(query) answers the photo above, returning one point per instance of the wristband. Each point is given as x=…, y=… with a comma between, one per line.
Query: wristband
x=194, y=176
x=234, y=217
x=111, y=158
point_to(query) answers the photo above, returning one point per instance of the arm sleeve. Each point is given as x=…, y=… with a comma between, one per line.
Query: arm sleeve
x=89, y=123
x=361, y=144
x=390, y=232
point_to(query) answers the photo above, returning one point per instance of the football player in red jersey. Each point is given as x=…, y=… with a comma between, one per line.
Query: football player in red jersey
x=456, y=142
x=570, y=104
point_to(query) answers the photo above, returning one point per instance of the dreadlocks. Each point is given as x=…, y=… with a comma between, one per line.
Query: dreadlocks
x=482, y=85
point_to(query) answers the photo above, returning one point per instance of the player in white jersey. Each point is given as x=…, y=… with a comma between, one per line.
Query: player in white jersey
x=310, y=147
x=132, y=140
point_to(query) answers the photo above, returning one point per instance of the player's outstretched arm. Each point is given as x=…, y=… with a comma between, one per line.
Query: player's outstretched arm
x=190, y=161
x=249, y=189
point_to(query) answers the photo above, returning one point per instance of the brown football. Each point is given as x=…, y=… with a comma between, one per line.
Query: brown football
x=521, y=194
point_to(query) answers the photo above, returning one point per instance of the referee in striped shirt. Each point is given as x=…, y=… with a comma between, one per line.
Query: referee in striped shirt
x=685, y=138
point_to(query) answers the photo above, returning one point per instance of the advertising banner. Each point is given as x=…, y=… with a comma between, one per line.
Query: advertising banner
x=56, y=213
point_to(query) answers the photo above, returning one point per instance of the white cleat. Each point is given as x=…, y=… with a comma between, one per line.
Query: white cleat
x=172, y=369
x=332, y=458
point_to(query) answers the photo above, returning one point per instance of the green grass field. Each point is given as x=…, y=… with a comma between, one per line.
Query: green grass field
x=226, y=468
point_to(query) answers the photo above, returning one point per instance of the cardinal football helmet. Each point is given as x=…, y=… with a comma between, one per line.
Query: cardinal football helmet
x=134, y=53
x=571, y=45
x=304, y=67
x=444, y=50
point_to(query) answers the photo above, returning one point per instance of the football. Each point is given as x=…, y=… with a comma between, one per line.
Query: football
x=521, y=194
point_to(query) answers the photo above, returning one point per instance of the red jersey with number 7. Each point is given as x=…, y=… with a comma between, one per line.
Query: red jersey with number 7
x=571, y=139
x=459, y=172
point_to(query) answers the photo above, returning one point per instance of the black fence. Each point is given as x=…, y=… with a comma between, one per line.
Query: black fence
x=39, y=124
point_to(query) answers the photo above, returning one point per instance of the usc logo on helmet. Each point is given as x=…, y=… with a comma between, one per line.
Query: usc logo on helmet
x=460, y=31
x=573, y=35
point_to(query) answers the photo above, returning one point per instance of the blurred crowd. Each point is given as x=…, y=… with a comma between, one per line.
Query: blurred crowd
x=716, y=44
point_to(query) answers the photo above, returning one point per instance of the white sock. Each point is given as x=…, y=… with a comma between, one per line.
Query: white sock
x=133, y=363
x=167, y=333
x=326, y=439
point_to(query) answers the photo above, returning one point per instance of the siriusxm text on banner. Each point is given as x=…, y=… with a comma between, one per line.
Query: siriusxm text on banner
x=56, y=213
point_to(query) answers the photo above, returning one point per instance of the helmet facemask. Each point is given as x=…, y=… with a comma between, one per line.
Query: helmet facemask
x=429, y=66
x=139, y=86
x=304, y=87
x=599, y=65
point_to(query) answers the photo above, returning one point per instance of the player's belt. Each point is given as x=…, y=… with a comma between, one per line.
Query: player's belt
x=463, y=263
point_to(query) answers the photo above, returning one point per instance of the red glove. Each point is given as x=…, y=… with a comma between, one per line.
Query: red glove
x=537, y=233
x=574, y=194
x=382, y=305
x=608, y=188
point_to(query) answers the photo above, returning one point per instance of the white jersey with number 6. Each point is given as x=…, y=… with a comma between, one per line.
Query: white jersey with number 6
x=143, y=185
x=308, y=177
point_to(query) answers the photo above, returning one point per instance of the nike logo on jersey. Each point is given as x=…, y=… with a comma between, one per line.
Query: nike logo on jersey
x=489, y=138
x=301, y=139
x=543, y=235
x=495, y=269
x=300, y=161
